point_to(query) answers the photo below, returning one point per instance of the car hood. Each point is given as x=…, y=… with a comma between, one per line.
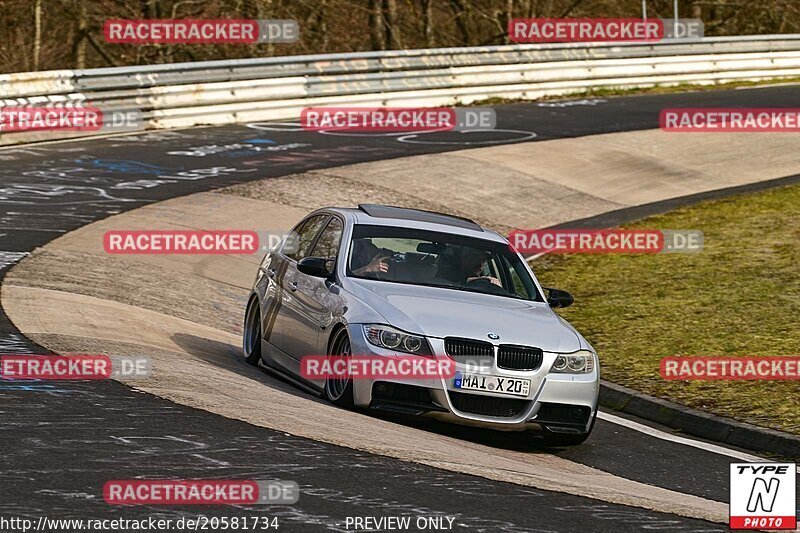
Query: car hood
x=437, y=312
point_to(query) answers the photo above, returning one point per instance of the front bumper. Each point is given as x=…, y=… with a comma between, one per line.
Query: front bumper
x=560, y=402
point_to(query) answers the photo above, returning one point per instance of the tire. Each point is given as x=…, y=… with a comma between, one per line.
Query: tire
x=560, y=440
x=340, y=391
x=251, y=333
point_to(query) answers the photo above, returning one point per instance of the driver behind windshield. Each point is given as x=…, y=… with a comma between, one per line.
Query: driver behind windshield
x=473, y=266
x=435, y=259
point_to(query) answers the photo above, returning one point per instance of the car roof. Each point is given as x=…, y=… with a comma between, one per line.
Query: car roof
x=405, y=213
x=388, y=215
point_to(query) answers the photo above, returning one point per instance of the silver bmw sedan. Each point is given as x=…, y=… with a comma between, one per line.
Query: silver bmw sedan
x=383, y=283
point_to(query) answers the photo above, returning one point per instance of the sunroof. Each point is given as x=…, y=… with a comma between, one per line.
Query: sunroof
x=403, y=213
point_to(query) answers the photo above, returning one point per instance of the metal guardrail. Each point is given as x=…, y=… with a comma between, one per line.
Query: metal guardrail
x=224, y=92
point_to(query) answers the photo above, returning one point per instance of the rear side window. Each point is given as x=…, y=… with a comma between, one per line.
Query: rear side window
x=328, y=243
x=298, y=243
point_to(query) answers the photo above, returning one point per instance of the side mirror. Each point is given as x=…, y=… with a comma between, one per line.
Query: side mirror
x=319, y=267
x=558, y=298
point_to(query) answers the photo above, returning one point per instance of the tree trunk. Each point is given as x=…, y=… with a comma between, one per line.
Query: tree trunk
x=509, y=14
x=251, y=9
x=393, y=40
x=530, y=9
x=37, y=33
x=427, y=23
x=322, y=25
x=376, y=25
x=461, y=8
x=80, y=44
x=151, y=9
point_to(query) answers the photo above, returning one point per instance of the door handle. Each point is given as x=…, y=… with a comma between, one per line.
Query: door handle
x=271, y=272
x=293, y=286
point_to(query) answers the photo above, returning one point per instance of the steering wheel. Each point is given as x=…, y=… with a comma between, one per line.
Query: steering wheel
x=486, y=286
x=480, y=282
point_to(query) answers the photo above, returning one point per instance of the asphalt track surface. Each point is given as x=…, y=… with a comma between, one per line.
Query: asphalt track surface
x=60, y=442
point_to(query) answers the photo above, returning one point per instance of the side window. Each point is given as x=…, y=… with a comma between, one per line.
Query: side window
x=298, y=242
x=328, y=243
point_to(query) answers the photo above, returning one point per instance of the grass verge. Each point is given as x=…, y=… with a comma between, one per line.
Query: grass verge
x=655, y=89
x=739, y=296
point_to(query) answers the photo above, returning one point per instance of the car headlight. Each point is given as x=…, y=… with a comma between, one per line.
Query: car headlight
x=580, y=362
x=394, y=339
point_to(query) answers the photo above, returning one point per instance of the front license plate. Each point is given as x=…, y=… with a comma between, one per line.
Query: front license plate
x=495, y=384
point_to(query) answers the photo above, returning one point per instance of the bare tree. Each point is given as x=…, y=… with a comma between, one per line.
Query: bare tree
x=330, y=25
x=509, y=15
x=427, y=22
x=321, y=25
x=376, y=30
x=569, y=9
x=392, y=34
x=462, y=13
x=37, y=33
x=80, y=37
x=150, y=9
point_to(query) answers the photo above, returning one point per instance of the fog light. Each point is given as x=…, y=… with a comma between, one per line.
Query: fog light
x=383, y=388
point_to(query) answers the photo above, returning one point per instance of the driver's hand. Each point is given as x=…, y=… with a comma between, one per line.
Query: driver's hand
x=378, y=264
x=490, y=279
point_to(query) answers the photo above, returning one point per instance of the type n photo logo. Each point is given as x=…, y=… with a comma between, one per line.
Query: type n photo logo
x=763, y=496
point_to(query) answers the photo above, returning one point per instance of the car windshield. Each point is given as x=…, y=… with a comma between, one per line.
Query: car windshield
x=419, y=257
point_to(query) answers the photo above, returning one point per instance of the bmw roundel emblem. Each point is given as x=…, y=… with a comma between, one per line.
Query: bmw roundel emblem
x=494, y=336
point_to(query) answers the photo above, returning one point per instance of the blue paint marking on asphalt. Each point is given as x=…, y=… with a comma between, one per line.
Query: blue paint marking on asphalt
x=34, y=386
x=127, y=166
x=37, y=385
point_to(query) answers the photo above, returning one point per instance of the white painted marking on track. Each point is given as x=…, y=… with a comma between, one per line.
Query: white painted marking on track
x=657, y=433
x=412, y=138
x=9, y=258
x=275, y=126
